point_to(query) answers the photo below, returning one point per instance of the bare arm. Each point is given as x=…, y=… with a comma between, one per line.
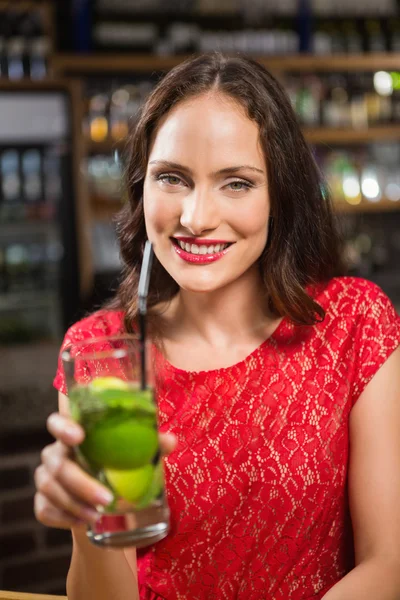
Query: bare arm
x=64, y=493
x=374, y=488
x=101, y=574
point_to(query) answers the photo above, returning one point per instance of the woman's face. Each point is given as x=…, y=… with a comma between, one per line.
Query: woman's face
x=206, y=200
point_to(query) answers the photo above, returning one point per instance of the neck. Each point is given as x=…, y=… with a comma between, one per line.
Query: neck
x=222, y=316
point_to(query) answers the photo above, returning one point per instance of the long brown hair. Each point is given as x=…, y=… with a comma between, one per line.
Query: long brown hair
x=303, y=245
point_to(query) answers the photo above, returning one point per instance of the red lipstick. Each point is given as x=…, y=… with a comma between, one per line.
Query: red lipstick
x=199, y=259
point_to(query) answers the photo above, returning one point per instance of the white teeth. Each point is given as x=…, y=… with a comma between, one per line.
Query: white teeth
x=203, y=249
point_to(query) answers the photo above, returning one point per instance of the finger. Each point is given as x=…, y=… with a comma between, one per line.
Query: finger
x=51, y=516
x=65, y=429
x=168, y=442
x=53, y=456
x=58, y=497
x=76, y=482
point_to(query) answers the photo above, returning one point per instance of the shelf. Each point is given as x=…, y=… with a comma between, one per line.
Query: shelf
x=27, y=299
x=331, y=135
x=103, y=208
x=365, y=206
x=131, y=63
x=106, y=147
x=28, y=228
x=318, y=135
x=41, y=85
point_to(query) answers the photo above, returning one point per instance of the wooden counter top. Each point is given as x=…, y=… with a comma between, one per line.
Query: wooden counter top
x=21, y=596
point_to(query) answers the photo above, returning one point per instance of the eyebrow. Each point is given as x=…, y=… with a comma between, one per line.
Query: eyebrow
x=225, y=171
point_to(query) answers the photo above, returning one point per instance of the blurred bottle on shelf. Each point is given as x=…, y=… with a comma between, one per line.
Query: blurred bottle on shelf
x=393, y=28
x=24, y=42
x=375, y=37
x=119, y=114
x=104, y=175
x=10, y=168
x=352, y=37
x=32, y=180
x=97, y=118
x=361, y=175
x=308, y=101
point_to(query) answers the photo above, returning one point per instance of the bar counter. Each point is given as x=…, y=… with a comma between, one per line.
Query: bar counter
x=21, y=596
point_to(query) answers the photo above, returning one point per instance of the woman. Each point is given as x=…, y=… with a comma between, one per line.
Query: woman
x=279, y=380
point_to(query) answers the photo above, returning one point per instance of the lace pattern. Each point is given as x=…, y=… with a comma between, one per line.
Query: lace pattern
x=257, y=484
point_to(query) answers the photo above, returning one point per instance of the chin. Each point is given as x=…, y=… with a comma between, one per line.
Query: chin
x=199, y=286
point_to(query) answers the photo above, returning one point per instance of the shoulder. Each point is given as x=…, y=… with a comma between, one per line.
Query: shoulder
x=98, y=324
x=352, y=297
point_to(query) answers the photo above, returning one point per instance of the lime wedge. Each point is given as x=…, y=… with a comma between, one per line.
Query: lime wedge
x=109, y=383
x=121, y=442
x=131, y=485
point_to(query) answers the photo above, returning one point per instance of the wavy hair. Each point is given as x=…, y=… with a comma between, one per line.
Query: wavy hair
x=303, y=247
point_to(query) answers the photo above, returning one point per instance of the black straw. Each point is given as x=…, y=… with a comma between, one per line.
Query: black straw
x=143, y=291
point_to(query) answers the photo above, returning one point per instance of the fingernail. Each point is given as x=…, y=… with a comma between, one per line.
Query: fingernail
x=53, y=462
x=90, y=514
x=71, y=430
x=104, y=497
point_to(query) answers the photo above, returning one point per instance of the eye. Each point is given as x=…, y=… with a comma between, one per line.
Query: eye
x=168, y=179
x=239, y=185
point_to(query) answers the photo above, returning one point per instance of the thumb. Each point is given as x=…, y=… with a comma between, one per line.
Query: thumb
x=168, y=442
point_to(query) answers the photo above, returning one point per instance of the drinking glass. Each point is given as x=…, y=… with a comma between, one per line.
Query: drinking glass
x=121, y=449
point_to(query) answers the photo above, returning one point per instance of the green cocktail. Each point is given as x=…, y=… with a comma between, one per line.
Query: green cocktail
x=121, y=448
x=121, y=441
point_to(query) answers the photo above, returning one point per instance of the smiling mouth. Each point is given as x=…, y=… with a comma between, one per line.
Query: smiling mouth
x=202, y=249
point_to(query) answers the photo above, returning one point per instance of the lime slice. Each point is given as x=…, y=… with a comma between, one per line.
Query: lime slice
x=90, y=404
x=121, y=442
x=154, y=490
x=131, y=485
x=109, y=383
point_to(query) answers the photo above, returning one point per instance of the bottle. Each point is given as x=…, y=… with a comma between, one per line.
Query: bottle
x=10, y=176
x=15, y=57
x=98, y=118
x=51, y=183
x=118, y=114
x=3, y=273
x=358, y=105
x=3, y=54
x=395, y=99
x=352, y=36
x=322, y=39
x=375, y=38
x=15, y=46
x=393, y=28
x=32, y=180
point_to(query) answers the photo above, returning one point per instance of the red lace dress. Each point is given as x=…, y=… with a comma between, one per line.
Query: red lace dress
x=257, y=484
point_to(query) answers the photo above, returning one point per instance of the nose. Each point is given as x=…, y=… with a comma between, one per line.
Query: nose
x=200, y=212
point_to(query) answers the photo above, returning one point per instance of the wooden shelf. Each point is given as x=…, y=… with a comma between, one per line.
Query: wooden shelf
x=130, y=63
x=103, y=208
x=331, y=135
x=21, y=596
x=319, y=135
x=365, y=206
x=25, y=84
x=106, y=147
